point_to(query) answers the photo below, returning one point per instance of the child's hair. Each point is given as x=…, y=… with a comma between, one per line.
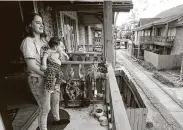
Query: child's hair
x=54, y=41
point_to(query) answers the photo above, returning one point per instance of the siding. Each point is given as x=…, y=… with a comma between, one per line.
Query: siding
x=47, y=18
x=81, y=35
x=178, y=43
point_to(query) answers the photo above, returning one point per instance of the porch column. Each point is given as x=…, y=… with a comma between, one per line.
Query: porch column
x=35, y=6
x=108, y=45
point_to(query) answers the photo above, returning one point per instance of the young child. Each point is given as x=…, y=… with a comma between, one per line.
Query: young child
x=51, y=63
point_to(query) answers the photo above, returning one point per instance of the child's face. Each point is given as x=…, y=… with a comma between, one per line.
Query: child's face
x=55, y=48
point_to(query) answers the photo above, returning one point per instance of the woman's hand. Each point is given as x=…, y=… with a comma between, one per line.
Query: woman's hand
x=31, y=63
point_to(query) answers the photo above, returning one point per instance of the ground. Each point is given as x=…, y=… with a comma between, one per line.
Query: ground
x=82, y=119
x=154, y=116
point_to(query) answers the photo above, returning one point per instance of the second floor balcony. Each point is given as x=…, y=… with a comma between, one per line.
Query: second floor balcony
x=157, y=40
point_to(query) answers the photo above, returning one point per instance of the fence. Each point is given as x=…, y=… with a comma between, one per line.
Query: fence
x=163, y=61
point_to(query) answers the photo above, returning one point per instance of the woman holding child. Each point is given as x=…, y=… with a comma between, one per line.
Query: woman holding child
x=33, y=47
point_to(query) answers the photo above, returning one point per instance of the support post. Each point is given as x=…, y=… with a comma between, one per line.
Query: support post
x=108, y=44
x=35, y=6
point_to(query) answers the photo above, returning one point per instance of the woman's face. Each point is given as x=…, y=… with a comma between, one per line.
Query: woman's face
x=37, y=25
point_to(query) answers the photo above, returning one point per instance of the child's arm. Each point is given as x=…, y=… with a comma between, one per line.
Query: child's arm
x=61, y=52
x=44, y=61
x=65, y=54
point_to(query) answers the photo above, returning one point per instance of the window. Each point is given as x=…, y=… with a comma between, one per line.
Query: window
x=158, y=31
x=70, y=33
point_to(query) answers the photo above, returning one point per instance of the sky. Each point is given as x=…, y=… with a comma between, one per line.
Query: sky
x=147, y=9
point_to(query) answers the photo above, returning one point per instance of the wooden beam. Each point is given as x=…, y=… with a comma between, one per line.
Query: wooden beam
x=21, y=12
x=35, y=6
x=108, y=45
x=120, y=119
x=93, y=8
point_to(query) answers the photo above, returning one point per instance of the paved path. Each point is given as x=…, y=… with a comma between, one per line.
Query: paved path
x=80, y=119
x=169, y=109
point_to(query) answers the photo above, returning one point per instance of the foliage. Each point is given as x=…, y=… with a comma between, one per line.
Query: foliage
x=96, y=70
x=128, y=35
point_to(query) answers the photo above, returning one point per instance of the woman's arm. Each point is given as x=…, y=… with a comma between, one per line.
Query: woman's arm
x=44, y=60
x=31, y=63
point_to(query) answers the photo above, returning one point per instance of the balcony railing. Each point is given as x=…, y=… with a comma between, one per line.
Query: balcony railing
x=119, y=118
x=157, y=40
x=90, y=48
x=146, y=39
x=97, y=40
x=117, y=115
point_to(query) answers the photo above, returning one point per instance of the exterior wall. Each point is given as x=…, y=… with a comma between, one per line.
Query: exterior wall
x=73, y=15
x=81, y=35
x=163, y=61
x=137, y=36
x=171, y=31
x=163, y=31
x=47, y=18
x=60, y=25
x=147, y=32
x=63, y=29
x=178, y=43
x=86, y=35
x=90, y=35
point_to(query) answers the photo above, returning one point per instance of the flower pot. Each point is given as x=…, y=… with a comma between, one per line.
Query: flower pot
x=102, y=118
x=99, y=113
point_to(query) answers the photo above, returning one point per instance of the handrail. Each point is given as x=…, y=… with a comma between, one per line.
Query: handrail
x=118, y=113
x=167, y=40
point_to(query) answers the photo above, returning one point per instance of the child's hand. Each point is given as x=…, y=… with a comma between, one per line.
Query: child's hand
x=43, y=67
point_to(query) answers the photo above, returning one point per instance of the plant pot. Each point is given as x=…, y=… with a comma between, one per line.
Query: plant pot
x=104, y=122
x=99, y=113
x=102, y=118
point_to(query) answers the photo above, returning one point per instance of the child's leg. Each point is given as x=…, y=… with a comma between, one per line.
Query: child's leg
x=58, y=82
x=50, y=76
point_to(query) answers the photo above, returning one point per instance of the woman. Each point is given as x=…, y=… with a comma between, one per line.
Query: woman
x=31, y=47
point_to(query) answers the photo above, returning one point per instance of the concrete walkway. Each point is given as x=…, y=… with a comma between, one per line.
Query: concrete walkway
x=170, y=110
x=80, y=119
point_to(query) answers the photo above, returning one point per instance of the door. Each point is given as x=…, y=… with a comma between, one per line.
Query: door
x=11, y=36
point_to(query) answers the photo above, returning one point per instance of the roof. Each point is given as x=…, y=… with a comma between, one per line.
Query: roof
x=90, y=5
x=160, y=21
x=144, y=21
x=173, y=11
x=101, y=0
x=163, y=18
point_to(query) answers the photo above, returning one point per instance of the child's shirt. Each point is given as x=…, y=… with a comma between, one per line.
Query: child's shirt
x=53, y=56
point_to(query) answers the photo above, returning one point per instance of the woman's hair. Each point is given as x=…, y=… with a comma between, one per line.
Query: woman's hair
x=28, y=29
x=54, y=41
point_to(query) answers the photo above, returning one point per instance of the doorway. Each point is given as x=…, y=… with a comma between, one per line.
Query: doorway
x=14, y=89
